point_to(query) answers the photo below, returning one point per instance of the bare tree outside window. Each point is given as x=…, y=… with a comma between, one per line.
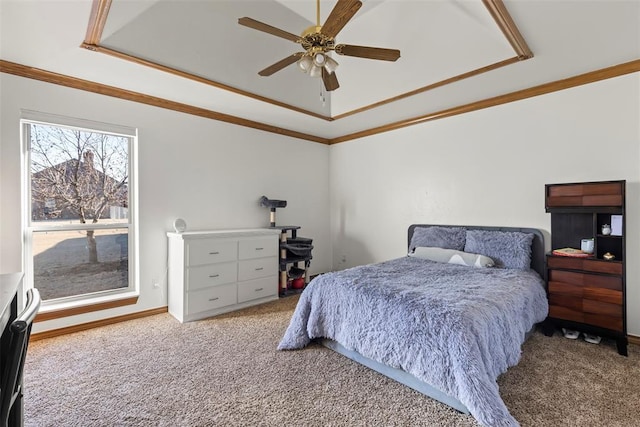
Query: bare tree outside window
x=79, y=177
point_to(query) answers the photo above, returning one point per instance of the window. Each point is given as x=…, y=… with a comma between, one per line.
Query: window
x=80, y=203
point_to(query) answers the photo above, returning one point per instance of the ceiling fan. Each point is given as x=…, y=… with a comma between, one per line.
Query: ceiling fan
x=318, y=40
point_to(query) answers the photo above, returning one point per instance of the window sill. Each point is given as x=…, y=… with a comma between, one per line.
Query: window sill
x=86, y=305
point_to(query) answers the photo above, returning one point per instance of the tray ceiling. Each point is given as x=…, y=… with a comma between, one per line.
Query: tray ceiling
x=438, y=40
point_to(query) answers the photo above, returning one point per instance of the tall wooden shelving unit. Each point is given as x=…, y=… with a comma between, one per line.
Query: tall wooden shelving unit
x=587, y=294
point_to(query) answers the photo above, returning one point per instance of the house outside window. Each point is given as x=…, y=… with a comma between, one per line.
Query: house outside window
x=80, y=236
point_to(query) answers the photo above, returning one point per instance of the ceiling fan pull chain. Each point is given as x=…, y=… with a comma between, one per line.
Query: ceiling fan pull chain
x=322, y=93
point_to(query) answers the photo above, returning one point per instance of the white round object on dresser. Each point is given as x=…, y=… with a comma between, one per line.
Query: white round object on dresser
x=179, y=225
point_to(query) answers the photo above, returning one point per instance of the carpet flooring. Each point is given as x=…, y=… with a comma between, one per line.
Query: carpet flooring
x=226, y=371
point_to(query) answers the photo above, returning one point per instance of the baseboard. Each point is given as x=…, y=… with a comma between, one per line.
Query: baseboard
x=633, y=339
x=95, y=324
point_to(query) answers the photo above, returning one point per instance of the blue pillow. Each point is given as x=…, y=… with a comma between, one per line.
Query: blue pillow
x=509, y=249
x=438, y=237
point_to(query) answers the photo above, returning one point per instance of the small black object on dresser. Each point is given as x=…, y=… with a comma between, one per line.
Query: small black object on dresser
x=587, y=293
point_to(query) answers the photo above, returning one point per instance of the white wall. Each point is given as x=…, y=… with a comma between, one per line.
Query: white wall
x=209, y=173
x=485, y=168
x=488, y=168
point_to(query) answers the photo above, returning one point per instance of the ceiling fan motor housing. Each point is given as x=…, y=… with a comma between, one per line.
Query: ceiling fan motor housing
x=316, y=41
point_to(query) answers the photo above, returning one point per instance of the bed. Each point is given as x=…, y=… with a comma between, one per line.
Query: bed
x=446, y=320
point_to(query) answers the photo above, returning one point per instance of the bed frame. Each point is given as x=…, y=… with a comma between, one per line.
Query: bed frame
x=537, y=263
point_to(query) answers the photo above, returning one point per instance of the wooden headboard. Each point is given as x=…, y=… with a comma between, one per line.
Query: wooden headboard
x=537, y=246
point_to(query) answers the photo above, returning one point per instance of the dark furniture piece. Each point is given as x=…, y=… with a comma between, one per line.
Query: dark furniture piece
x=294, y=251
x=587, y=294
x=14, y=354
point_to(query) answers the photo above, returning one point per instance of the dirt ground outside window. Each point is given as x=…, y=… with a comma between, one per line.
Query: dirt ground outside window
x=62, y=267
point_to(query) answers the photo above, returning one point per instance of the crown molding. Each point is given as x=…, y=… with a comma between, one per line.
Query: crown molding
x=89, y=86
x=579, y=80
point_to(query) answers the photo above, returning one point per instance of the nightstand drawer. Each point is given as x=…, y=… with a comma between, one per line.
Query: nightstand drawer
x=209, y=251
x=586, y=280
x=205, y=276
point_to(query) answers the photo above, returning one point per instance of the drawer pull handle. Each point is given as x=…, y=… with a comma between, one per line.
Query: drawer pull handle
x=259, y=268
x=259, y=289
x=213, y=299
x=214, y=253
x=259, y=249
x=214, y=275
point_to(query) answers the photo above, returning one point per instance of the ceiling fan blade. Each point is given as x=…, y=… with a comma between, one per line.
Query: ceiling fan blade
x=330, y=80
x=279, y=65
x=368, y=52
x=342, y=12
x=261, y=26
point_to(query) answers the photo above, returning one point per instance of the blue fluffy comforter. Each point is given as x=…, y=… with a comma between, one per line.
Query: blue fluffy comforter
x=454, y=327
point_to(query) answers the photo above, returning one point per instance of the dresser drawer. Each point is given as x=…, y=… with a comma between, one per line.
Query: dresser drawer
x=602, y=320
x=587, y=194
x=599, y=307
x=592, y=265
x=260, y=288
x=565, y=313
x=609, y=322
x=256, y=268
x=258, y=248
x=204, y=276
x=211, y=298
x=586, y=280
x=208, y=251
x=586, y=305
x=559, y=289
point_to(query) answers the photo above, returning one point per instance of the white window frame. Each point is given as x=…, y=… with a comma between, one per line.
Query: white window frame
x=28, y=118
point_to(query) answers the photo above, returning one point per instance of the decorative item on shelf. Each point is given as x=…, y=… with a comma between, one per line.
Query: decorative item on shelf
x=179, y=225
x=606, y=229
x=586, y=245
x=616, y=225
x=609, y=256
x=572, y=252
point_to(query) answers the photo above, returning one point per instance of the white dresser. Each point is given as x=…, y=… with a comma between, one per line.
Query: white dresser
x=213, y=272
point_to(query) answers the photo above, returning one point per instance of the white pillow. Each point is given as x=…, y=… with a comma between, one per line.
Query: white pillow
x=452, y=256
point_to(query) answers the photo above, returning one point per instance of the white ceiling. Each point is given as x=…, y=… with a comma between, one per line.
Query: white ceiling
x=438, y=39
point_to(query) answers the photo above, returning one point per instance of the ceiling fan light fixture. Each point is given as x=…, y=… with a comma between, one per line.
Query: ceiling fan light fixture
x=319, y=59
x=330, y=64
x=318, y=41
x=305, y=64
x=315, y=71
